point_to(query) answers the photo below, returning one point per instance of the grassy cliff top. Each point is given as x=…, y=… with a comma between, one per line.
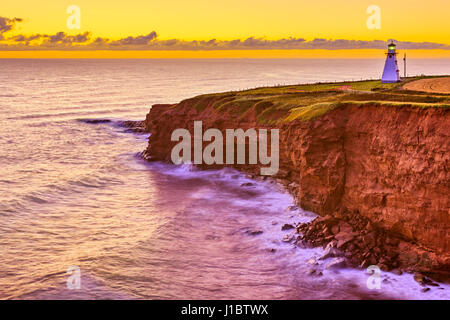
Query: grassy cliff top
x=307, y=101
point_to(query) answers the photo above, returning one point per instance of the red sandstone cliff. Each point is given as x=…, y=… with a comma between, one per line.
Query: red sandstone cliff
x=390, y=165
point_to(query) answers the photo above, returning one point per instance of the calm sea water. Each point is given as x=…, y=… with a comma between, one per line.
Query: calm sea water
x=78, y=194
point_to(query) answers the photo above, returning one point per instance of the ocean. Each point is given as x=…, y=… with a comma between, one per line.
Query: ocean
x=76, y=195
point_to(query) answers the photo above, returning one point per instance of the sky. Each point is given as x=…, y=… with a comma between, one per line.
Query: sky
x=232, y=28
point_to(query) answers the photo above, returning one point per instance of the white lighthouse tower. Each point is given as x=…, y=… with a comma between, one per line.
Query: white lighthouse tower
x=391, y=72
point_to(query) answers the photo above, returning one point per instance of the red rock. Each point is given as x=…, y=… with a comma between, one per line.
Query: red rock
x=288, y=238
x=331, y=253
x=287, y=227
x=344, y=237
x=331, y=244
x=353, y=161
x=254, y=232
x=397, y=272
x=372, y=260
x=423, y=280
x=337, y=264
x=327, y=220
x=345, y=227
x=335, y=229
x=370, y=240
x=420, y=278
x=364, y=264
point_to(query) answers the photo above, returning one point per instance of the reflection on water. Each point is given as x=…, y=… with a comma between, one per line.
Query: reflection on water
x=78, y=194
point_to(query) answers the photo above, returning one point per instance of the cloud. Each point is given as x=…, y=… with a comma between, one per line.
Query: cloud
x=7, y=24
x=139, y=40
x=150, y=41
x=62, y=37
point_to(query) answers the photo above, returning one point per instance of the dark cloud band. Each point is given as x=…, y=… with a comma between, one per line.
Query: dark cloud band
x=84, y=41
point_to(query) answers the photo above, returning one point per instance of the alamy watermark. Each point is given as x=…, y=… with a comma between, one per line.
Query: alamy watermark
x=374, y=20
x=374, y=281
x=74, y=20
x=213, y=153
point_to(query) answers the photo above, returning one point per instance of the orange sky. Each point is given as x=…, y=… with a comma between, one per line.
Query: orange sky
x=403, y=20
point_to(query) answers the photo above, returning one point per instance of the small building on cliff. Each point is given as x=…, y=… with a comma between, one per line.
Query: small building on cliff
x=391, y=72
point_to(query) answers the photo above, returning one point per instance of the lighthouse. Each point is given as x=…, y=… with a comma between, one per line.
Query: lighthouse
x=391, y=73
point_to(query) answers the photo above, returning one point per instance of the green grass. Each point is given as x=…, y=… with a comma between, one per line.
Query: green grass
x=398, y=104
x=310, y=112
x=319, y=109
x=366, y=85
x=308, y=101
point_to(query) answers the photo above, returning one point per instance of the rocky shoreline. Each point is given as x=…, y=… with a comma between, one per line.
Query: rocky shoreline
x=134, y=126
x=376, y=173
x=353, y=241
x=363, y=247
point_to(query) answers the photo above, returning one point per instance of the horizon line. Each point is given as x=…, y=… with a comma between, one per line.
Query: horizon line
x=222, y=54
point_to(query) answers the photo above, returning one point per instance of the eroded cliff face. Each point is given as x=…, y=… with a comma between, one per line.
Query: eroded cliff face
x=390, y=165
